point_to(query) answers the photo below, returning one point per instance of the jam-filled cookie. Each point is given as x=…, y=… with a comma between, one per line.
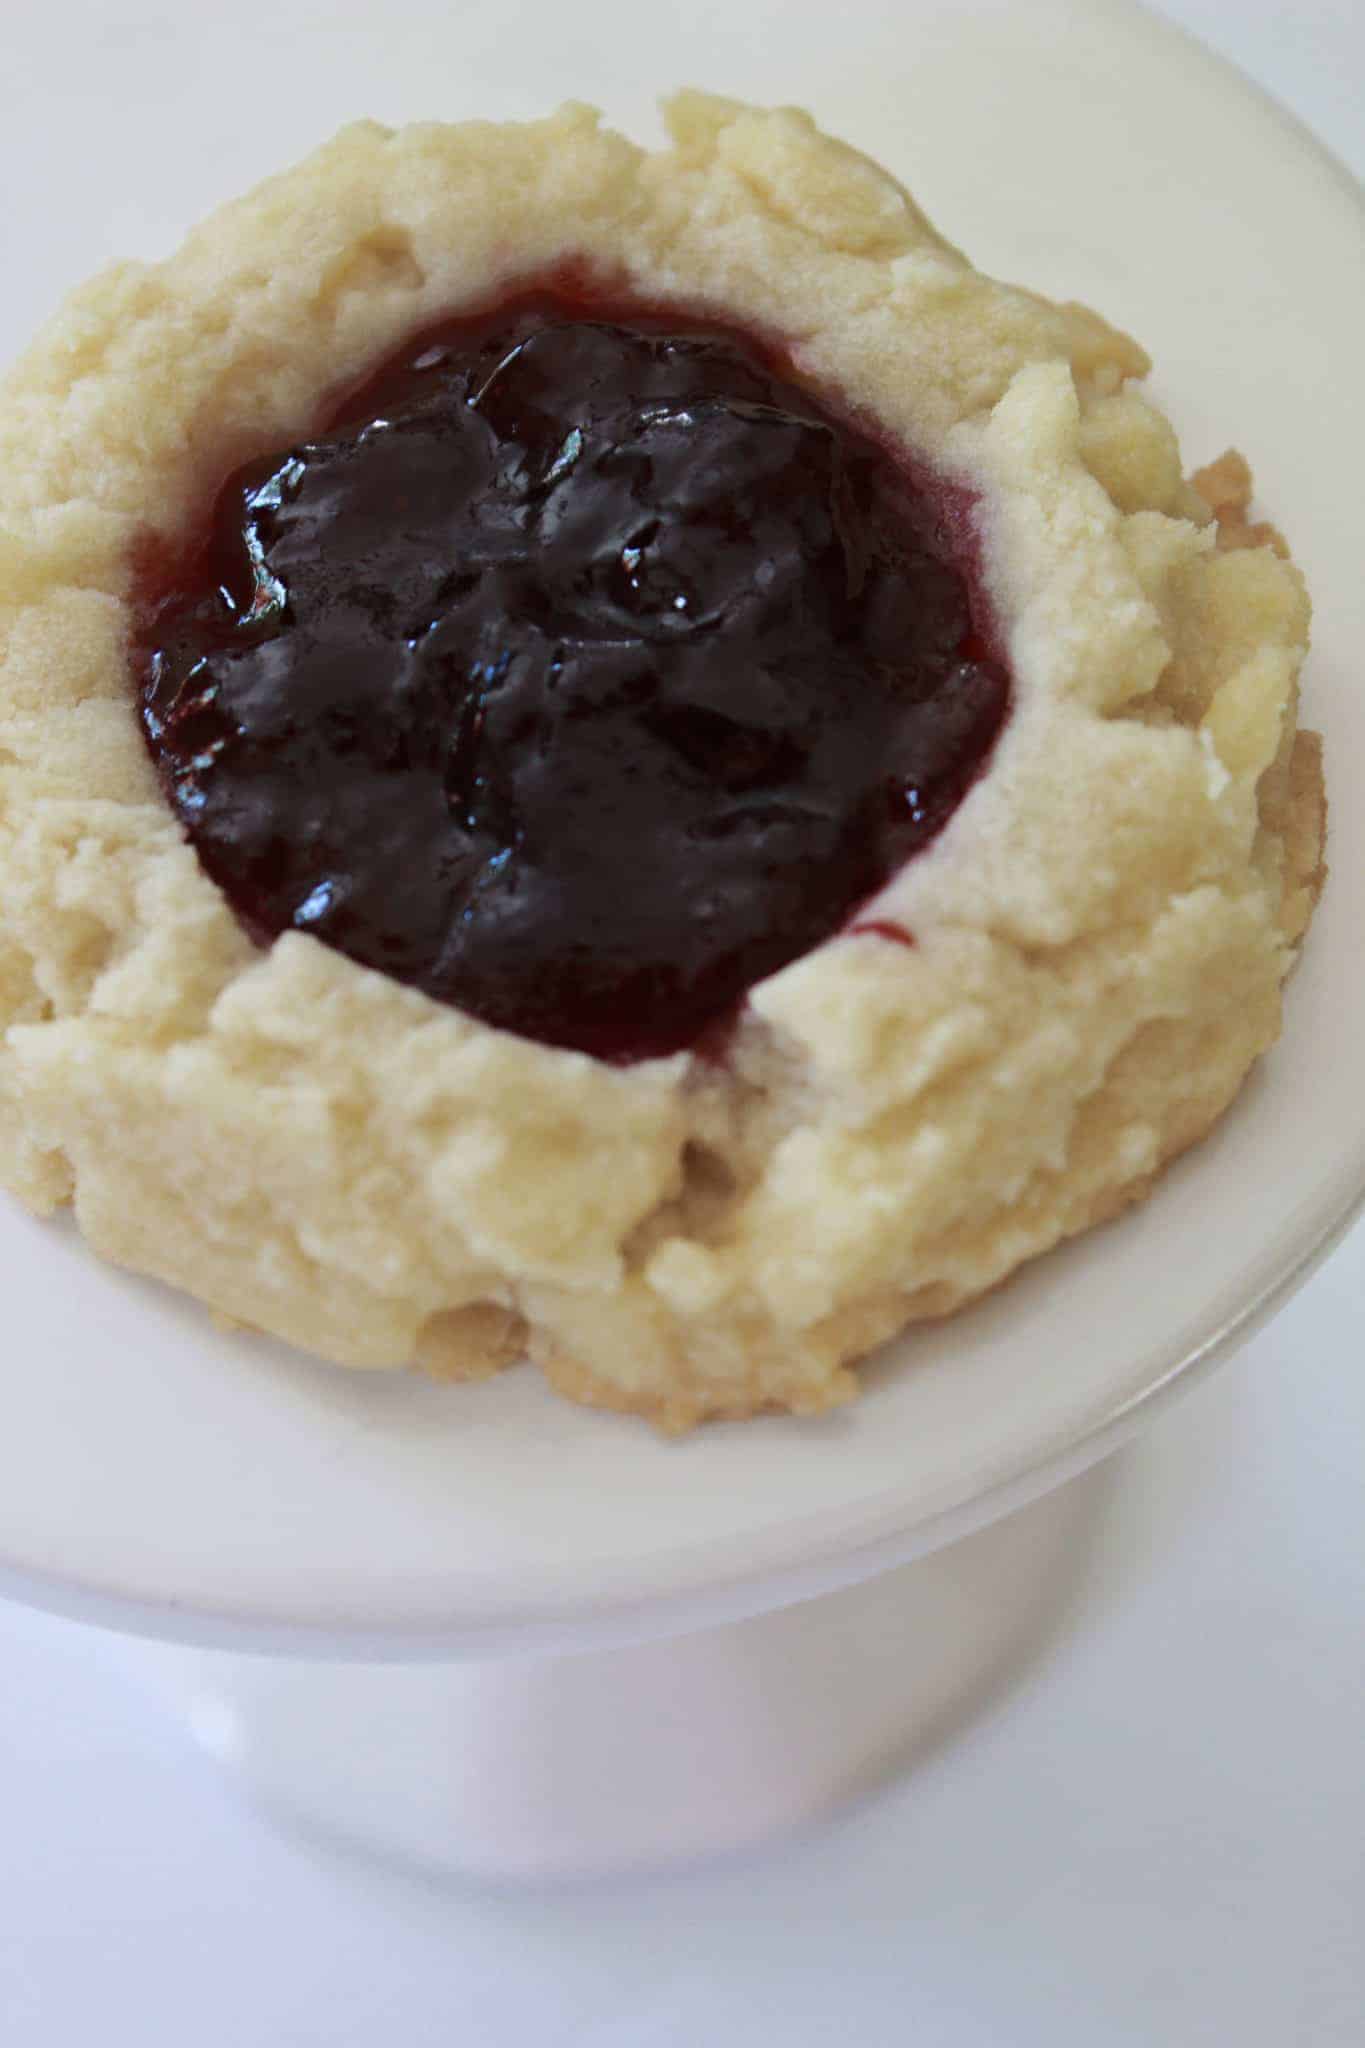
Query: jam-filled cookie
x=617, y=756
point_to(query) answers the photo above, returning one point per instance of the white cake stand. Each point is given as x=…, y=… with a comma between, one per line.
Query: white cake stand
x=521, y=1640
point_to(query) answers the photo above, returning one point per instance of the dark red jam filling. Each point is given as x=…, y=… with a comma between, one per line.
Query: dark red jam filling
x=581, y=671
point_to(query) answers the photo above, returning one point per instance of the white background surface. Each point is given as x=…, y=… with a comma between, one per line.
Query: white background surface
x=1156, y=1838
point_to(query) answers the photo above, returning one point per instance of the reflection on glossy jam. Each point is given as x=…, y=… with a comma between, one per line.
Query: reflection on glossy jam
x=583, y=670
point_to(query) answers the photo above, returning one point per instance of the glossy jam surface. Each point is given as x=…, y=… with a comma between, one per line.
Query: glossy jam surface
x=582, y=671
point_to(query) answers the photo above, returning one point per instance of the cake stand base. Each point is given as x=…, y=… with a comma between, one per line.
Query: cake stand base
x=537, y=1769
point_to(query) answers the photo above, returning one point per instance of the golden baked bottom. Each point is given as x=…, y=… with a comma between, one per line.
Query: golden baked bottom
x=1101, y=931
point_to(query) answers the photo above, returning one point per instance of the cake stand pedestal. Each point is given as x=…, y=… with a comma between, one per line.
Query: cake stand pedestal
x=663, y=1752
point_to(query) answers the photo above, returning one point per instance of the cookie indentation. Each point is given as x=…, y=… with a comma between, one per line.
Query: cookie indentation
x=581, y=672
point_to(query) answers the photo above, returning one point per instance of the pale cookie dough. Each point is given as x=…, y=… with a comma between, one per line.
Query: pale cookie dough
x=1101, y=933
